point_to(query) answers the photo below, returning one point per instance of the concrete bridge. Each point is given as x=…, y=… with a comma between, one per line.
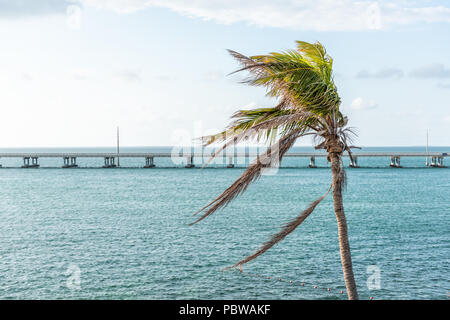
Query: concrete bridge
x=111, y=160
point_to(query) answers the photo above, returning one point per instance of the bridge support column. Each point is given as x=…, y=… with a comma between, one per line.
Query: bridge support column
x=230, y=162
x=354, y=162
x=70, y=162
x=149, y=162
x=395, y=162
x=235, y=152
x=247, y=155
x=437, y=162
x=189, y=162
x=109, y=162
x=312, y=162
x=432, y=162
x=33, y=164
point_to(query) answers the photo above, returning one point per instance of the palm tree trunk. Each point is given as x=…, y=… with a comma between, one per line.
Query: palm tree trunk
x=344, y=245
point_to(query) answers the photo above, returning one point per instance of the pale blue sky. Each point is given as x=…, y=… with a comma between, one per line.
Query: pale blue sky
x=70, y=75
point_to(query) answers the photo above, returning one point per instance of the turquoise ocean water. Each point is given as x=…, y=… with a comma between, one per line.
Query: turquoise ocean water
x=92, y=233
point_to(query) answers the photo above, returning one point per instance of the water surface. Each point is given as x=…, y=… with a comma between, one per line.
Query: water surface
x=125, y=231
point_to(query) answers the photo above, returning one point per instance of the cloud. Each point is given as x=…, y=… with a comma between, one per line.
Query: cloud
x=444, y=85
x=164, y=78
x=446, y=119
x=360, y=104
x=119, y=6
x=128, y=76
x=146, y=114
x=23, y=8
x=319, y=15
x=79, y=74
x=436, y=70
x=28, y=76
x=212, y=76
x=381, y=74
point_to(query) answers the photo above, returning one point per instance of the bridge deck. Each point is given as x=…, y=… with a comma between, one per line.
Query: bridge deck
x=207, y=154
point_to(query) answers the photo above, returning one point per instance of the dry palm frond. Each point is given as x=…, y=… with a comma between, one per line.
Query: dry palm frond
x=242, y=124
x=252, y=173
x=287, y=229
x=245, y=61
x=247, y=126
x=235, y=139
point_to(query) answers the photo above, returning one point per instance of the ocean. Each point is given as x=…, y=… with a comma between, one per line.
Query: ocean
x=93, y=233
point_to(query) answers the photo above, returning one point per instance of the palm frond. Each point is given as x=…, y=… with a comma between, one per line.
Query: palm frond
x=252, y=173
x=287, y=229
x=243, y=121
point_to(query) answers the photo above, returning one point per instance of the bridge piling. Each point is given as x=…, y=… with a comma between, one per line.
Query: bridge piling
x=189, y=162
x=312, y=162
x=354, y=162
x=230, y=162
x=70, y=162
x=33, y=164
x=149, y=162
x=395, y=162
x=109, y=162
x=437, y=162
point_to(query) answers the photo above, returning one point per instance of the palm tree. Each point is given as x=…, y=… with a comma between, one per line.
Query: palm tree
x=308, y=104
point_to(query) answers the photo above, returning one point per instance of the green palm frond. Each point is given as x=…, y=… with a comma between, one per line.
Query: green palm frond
x=302, y=77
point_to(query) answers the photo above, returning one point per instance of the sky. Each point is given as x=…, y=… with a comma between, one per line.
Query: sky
x=72, y=71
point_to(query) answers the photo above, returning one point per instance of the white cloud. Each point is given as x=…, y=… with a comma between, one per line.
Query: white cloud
x=79, y=74
x=212, y=76
x=164, y=78
x=28, y=76
x=128, y=75
x=447, y=119
x=444, y=85
x=381, y=74
x=361, y=104
x=436, y=70
x=120, y=6
x=320, y=15
x=15, y=8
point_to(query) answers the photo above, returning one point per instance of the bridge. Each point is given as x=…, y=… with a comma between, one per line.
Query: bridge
x=111, y=160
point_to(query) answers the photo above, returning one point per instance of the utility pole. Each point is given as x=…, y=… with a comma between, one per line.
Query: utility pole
x=426, y=162
x=118, y=148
